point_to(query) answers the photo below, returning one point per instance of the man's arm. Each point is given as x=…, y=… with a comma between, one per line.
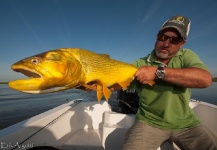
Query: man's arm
x=186, y=77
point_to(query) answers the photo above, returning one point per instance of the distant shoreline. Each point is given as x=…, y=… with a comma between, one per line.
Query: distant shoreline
x=213, y=80
x=3, y=82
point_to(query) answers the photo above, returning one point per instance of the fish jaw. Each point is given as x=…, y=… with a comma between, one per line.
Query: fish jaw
x=20, y=85
x=27, y=85
x=34, y=86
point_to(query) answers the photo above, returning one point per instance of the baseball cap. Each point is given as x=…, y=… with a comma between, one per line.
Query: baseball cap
x=180, y=23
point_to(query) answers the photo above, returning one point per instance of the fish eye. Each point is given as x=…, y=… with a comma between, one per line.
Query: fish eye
x=34, y=61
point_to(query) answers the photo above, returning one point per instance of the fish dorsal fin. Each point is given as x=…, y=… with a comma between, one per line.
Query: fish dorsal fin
x=106, y=92
x=124, y=84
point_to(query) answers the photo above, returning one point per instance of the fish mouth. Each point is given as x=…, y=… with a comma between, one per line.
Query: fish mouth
x=33, y=84
x=28, y=73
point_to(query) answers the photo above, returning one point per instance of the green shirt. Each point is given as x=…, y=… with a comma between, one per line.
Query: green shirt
x=165, y=105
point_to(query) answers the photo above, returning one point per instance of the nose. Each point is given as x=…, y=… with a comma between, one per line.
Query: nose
x=166, y=43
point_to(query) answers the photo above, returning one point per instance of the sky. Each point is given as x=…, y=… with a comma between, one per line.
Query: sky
x=124, y=29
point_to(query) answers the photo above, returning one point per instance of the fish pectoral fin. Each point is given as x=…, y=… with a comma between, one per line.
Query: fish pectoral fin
x=107, y=93
x=99, y=92
x=126, y=83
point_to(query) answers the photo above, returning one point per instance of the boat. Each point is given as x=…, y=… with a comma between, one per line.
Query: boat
x=86, y=124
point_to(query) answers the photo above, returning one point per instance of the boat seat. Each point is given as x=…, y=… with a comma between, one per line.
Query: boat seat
x=115, y=127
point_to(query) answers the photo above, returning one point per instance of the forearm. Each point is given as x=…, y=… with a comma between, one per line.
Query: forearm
x=188, y=77
x=185, y=77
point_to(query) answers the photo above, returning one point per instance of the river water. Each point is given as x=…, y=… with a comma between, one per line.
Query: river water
x=17, y=106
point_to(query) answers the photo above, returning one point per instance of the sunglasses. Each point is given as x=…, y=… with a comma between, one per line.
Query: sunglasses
x=173, y=40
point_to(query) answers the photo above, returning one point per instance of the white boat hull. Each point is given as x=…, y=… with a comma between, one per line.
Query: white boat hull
x=88, y=125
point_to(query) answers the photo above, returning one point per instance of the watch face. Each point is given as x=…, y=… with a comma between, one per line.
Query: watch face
x=160, y=73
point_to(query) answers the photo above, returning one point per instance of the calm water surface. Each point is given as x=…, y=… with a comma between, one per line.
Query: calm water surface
x=17, y=106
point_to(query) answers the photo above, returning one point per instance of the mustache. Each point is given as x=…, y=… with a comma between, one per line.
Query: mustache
x=164, y=48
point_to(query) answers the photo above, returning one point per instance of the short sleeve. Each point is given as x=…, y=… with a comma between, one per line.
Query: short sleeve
x=191, y=59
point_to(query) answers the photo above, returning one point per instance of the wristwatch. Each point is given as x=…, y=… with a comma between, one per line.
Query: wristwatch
x=160, y=72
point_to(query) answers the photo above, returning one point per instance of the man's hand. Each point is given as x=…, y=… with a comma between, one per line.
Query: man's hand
x=146, y=74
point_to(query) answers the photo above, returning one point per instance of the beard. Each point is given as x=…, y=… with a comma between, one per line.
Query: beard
x=163, y=54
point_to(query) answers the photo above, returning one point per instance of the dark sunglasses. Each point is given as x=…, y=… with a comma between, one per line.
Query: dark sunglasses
x=173, y=40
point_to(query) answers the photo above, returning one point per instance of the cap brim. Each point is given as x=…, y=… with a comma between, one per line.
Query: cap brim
x=177, y=28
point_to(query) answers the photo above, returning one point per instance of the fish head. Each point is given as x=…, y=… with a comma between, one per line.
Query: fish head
x=48, y=72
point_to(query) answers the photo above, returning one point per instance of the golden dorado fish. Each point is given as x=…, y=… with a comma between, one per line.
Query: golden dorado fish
x=67, y=68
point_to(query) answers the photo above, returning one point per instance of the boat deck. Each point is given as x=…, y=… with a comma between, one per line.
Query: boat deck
x=86, y=139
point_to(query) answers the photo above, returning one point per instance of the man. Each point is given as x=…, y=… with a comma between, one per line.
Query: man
x=164, y=111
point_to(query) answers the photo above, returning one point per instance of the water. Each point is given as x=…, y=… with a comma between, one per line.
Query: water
x=207, y=95
x=16, y=106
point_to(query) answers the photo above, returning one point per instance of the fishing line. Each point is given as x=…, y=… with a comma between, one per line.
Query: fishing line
x=76, y=102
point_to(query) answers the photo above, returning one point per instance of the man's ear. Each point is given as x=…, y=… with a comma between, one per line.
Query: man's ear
x=183, y=43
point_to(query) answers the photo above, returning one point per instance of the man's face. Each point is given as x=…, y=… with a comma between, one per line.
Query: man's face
x=168, y=44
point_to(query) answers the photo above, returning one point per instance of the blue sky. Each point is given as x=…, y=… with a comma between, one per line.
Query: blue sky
x=124, y=29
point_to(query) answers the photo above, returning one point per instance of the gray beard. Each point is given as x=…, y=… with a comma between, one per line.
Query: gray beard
x=162, y=55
